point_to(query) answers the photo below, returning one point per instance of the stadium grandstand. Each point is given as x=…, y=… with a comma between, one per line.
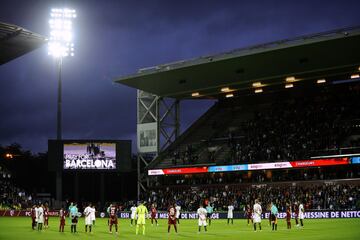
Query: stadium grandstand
x=12, y=196
x=285, y=120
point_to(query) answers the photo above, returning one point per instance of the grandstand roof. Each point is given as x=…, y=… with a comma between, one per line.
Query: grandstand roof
x=333, y=55
x=16, y=41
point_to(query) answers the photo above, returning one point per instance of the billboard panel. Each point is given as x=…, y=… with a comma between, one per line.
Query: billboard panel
x=147, y=137
x=321, y=162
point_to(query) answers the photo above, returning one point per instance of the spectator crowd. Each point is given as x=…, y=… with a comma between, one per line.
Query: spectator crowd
x=282, y=129
x=297, y=129
x=317, y=197
x=11, y=196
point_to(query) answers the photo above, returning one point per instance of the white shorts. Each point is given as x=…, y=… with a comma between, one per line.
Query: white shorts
x=230, y=215
x=177, y=215
x=133, y=216
x=202, y=222
x=301, y=215
x=257, y=218
x=40, y=220
x=88, y=221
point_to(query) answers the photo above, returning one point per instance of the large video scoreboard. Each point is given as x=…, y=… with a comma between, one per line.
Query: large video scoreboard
x=90, y=155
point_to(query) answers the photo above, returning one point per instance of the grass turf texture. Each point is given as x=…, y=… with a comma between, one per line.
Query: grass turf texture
x=16, y=228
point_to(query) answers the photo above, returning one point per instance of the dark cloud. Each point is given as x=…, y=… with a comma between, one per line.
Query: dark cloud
x=115, y=38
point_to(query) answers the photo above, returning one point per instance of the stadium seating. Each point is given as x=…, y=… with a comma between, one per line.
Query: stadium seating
x=275, y=127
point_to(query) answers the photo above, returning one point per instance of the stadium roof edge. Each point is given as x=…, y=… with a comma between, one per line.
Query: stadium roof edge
x=16, y=41
x=179, y=79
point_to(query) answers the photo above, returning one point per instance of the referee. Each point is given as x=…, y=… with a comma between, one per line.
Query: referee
x=210, y=210
x=274, y=213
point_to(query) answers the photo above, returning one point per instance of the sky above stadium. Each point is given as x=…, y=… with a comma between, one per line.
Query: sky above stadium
x=115, y=38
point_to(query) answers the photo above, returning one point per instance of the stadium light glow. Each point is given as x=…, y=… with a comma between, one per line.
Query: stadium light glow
x=229, y=95
x=355, y=76
x=289, y=85
x=225, y=89
x=290, y=79
x=61, y=35
x=257, y=84
x=258, y=90
x=195, y=94
x=319, y=81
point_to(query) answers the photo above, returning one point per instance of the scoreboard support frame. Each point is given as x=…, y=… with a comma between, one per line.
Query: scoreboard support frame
x=164, y=113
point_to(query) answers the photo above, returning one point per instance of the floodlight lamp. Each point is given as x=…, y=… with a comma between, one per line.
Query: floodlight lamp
x=61, y=34
x=257, y=84
x=354, y=76
x=225, y=89
x=290, y=79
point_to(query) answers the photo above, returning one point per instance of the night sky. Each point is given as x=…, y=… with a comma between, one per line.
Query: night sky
x=115, y=38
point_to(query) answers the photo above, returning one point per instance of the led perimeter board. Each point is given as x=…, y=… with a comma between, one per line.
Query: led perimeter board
x=258, y=166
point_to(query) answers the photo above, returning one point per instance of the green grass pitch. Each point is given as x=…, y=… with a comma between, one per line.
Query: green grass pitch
x=18, y=228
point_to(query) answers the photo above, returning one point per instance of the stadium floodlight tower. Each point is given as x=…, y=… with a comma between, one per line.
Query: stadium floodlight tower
x=60, y=46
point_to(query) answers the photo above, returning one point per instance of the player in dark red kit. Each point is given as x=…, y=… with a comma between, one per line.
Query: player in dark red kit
x=33, y=217
x=172, y=218
x=153, y=215
x=249, y=214
x=62, y=216
x=269, y=209
x=113, y=218
x=46, y=216
x=288, y=217
x=296, y=215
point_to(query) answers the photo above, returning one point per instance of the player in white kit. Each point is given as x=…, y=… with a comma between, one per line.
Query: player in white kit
x=301, y=214
x=133, y=215
x=230, y=214
x=177, y=215
x=88, y=221
x=202, y=217
x=40, y=217
x=257, y=214
x=92, y=215
x=36, y=215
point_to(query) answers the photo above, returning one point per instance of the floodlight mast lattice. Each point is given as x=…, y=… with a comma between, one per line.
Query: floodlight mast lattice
x=60, y=46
